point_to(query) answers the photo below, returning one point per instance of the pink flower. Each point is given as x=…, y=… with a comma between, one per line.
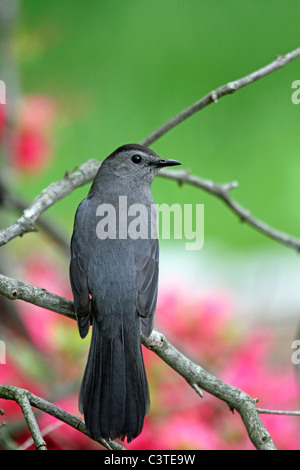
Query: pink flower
x=31, y=146
x=181, y=431
x=196, y=320
x=31, y=150
x=11, y=373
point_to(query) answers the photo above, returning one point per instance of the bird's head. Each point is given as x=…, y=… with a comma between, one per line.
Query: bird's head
x=135, y=162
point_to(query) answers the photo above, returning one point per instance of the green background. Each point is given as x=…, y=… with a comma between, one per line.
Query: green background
x=120, y=69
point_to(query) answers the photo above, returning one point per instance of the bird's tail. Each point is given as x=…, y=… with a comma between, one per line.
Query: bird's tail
x=114, y=395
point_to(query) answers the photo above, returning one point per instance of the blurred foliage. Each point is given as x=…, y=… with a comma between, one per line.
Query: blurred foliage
x=118, y=70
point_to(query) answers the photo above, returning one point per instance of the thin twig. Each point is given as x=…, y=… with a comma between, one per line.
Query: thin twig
x=21, y=397
x=214, y=95
x=222, y=191
x=278, y=412
x=44, y=432
x=194, y=374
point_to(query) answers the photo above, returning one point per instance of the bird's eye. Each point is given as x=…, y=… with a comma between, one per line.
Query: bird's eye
x=136, y=159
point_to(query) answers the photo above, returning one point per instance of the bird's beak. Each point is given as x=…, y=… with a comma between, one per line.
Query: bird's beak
x=167, y=162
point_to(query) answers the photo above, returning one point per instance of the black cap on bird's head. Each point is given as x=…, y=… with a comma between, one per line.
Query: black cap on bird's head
x=132, y=160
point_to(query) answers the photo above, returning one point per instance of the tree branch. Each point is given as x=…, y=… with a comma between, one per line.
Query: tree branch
x=86, y=172
x=278, y=412
x=27, y=399
x=13, y=202
x=21, y=397
x=195, y=375
x=47, y=198
x=44, y=432
x=14, y=289
x=222, y=191
x=215, y=95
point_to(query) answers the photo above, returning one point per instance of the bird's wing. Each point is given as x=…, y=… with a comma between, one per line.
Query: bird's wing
x=147, y=286
x=79, y=281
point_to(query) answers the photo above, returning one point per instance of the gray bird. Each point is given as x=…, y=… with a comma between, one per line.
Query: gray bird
x=114, y=280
